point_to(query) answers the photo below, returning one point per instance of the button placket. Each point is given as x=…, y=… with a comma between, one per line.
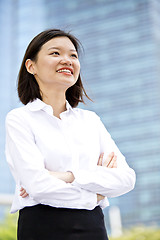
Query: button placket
x=67, y=130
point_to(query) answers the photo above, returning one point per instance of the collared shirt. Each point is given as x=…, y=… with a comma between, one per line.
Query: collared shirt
x=38, y=142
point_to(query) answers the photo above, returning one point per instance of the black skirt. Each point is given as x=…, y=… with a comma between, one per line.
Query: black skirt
x=50, y=223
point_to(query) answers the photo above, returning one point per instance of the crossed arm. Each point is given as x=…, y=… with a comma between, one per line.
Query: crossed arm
x=68, y=177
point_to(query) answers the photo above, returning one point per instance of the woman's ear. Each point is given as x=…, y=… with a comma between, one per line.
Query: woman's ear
x=30, y=66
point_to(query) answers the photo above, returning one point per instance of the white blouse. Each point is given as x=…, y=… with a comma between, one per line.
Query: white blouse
x=38, y=142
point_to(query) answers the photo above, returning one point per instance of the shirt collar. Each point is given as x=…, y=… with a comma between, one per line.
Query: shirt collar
x=37, y=105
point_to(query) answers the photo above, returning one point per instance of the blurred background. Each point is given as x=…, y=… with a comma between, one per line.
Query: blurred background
x=120, y=69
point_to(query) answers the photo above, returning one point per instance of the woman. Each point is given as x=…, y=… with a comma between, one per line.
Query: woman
x=64, y=161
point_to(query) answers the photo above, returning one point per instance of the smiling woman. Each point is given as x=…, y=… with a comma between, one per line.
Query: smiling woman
x=56, y=67
x=64, y=161
x=55, y=46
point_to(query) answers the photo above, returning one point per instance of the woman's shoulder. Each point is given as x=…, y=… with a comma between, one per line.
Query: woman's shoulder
x=19, y=112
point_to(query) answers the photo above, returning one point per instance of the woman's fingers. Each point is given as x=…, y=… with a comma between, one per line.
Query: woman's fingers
x=108, y=159
x=113, y=163
x=110, y=162
x=23, y=193
x=100, y=160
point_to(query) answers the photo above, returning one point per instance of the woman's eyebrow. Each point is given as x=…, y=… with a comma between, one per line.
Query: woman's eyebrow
x=53, y=48
x=60, y=49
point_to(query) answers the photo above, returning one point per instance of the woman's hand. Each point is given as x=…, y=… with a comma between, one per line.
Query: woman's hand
x=23, y=193
x=110, y=162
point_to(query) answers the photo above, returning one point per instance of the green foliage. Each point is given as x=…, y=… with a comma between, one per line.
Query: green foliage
x=8, y=228
x=140, y=233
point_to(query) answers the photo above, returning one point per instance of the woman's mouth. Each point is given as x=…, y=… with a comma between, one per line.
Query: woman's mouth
x=67, y=71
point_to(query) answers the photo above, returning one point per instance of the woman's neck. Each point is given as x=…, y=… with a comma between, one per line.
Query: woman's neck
x=57, y=100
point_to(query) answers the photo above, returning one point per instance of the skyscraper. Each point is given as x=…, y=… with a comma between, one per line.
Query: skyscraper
x=120, y=70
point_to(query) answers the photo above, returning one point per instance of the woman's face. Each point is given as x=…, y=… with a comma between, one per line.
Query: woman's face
x=57, y=64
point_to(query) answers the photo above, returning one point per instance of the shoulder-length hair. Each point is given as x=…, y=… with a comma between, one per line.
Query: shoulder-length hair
x=28, y=88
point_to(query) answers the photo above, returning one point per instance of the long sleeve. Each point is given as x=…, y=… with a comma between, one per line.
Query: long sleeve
x=27, y=165
x=110, y=182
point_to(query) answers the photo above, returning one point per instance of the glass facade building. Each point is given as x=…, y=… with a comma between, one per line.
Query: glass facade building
x=120, y=71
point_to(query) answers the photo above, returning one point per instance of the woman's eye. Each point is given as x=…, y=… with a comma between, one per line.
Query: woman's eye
x=74, y=55
x=55, y=53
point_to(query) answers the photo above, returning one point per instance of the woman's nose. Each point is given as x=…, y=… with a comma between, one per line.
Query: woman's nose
x=66, y=60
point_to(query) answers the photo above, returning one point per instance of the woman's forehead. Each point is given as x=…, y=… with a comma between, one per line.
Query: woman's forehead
x=59, y=42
